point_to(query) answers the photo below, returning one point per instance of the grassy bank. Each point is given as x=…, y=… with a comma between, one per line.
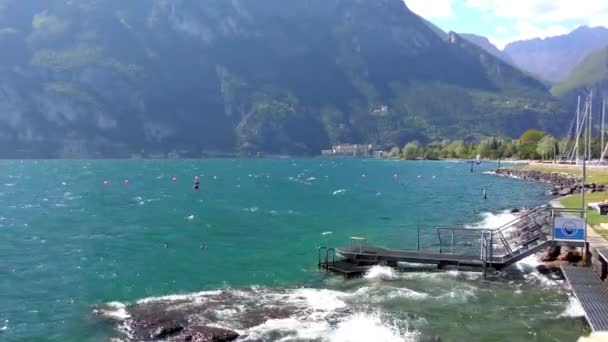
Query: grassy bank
x=594, y=174
x=598, y=175
x=574, y=201
x=593, y=218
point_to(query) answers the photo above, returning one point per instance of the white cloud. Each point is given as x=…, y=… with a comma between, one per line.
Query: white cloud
x=429, y=9
x=525, y=30
x=540, y=18
x=502, y=29
x=586, y=11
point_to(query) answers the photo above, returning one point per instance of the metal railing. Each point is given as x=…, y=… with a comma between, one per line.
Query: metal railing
x=324, y=257
x=501, y=242
x=488, y=245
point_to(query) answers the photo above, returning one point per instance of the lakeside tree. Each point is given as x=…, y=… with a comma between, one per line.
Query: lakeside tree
x=395, y=152
x=528, y=144
x=411, y=150
x=547, y=147
x=532, y=145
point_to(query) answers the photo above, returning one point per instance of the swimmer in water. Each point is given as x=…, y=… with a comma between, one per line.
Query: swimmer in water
x=196, y=185
x=166, y=245
x=203, y=246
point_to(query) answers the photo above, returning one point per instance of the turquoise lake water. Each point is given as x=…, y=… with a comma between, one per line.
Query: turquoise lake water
x=70, y=244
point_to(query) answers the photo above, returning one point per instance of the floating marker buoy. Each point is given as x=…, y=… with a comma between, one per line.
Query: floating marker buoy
x=106, y=183
x=196, y=178
x=126, y=182
x=174, y=179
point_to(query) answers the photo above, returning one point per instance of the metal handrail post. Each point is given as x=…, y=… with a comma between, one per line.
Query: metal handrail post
x=552, y=224
x=491, y=247
x=319, y=259
x=452, y=242
x=440, y=244
x=418, y=243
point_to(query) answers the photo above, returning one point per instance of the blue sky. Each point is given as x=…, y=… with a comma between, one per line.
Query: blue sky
x=504, y=21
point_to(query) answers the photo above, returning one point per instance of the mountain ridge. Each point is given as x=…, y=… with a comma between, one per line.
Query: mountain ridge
x=589, y=75
x=108, y=78
x=552, y=58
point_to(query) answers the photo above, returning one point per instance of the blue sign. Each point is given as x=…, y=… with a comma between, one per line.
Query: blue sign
x=569, y=229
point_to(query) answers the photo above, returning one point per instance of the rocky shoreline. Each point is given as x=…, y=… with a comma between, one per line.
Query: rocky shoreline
x=529, y=228
x=562, y=184
x=195, y=318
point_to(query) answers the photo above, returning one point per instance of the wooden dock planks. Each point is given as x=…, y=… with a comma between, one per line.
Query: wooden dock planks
x=592, y=293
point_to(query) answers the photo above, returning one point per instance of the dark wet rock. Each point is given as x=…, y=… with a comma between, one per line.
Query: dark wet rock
x=206, y=334
x=156, y=328
x=571, y=256
x=515, y=211
x=166, y=331
x=551, y=254
x=562, y=184
x=172, y=325
x=256, y=317
x=199, y=318
x=543, y=269
x=551, y=270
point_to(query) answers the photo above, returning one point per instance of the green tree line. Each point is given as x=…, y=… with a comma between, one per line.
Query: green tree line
x=533, y=144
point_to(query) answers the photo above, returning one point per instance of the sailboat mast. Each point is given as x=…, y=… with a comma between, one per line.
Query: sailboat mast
x=578, y=122
x=590, y=127
x=602, y=130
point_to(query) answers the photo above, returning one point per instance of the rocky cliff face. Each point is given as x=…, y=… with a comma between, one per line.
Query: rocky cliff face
x=485, y=44
x=113, y=78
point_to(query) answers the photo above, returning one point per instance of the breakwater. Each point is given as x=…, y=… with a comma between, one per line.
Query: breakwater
x=562, y=184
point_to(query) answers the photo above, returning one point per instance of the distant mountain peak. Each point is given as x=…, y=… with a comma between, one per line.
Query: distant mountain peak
x=553, y=58
x=591, y=73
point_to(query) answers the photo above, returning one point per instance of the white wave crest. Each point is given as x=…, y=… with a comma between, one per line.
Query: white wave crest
x=289, y=328
x=493, y=221
x=365, y=327
x=574, y=309
x=115, y=310
x=339, y=192
x=325, y=300
x=458, y=296
x=381, y=273
x=195, y=297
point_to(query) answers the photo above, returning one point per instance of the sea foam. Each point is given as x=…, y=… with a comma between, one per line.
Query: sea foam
x=381, y=273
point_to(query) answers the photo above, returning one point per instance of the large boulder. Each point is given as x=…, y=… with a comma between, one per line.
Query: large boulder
x=571, y=256
x=206, y=334
x=164, y=332
x=551, y=254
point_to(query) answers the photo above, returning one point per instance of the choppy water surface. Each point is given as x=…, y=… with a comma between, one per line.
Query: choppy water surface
x=71, y=245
